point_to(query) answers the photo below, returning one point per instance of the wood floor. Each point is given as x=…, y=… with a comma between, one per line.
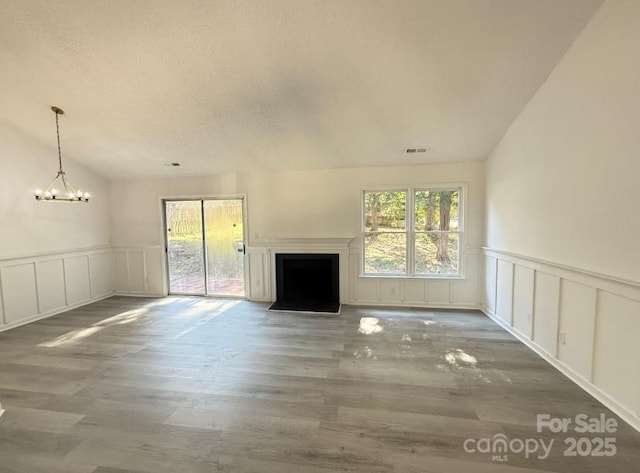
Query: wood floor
x=200, y=385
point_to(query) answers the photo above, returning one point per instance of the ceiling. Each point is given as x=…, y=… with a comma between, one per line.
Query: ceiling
x=239, y=85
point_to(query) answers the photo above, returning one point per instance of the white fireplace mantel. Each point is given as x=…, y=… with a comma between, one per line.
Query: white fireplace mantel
x=307, y=245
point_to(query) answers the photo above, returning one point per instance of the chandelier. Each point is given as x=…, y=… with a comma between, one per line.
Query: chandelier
x=60, y=189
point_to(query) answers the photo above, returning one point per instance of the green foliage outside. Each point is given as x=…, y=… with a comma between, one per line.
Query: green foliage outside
x=436, y=214
x=224, y=232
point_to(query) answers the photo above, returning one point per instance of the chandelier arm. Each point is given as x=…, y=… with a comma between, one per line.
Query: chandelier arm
x=50, y=186
x=68, y=187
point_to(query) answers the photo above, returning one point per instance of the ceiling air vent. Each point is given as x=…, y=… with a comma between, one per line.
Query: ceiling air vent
x=417, y=150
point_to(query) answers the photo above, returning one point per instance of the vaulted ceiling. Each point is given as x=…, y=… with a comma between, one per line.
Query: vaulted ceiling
x=236, y=85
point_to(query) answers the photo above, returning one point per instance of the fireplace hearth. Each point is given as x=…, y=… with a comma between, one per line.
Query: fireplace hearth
x=307, y=282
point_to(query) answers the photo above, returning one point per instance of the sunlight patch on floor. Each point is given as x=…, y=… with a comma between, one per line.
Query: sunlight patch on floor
x=123, y=318
x=163, y=302
x=71, y=337
x=370, y=325
x=77, y=335
x=218, y=307
x=459, y=357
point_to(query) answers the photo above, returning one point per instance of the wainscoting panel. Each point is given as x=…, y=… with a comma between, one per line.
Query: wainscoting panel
x=577, y=322
x=120, y=272
x=76, y=273
x=50, y=281
x=100, y=274
x=367, y=290
x=19, y=292
x=583, y=323
x=545, y=317
x=391, y=291
x=38, y=286
x=258, y=271
x=465, y=291
x=415, y=292
x=139, y=271
x=155, y=271
x=616, y=368
x=504, y=291
x=523, y=279
x=490, y=272
x=439, y=292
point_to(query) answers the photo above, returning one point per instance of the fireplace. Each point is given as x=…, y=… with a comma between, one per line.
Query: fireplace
x=307, y=282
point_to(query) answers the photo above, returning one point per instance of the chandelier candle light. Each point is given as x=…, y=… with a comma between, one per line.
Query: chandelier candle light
x=65, y=191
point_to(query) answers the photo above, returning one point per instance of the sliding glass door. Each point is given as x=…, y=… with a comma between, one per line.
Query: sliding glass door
x=205, y=246
x=185, y=247
x=224, y=247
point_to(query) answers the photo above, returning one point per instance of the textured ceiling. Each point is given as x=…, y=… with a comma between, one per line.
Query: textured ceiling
x=224, y=86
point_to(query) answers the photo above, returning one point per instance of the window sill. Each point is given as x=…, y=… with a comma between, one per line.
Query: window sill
x=456, y=277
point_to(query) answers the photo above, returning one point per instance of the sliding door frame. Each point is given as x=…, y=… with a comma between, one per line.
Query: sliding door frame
x=165, y=240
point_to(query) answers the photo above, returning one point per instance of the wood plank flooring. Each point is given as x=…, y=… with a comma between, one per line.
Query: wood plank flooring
x=201, y=385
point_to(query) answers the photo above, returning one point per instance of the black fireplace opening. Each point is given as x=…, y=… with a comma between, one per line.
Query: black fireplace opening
x=307, y=282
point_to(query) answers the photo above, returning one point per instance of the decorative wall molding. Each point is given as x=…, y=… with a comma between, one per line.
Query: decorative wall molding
x=139, y=271
x=44, y=284
x=624, y=287
x=258, y=274
x=585, y=324
x=437, y=293
x=48, y=254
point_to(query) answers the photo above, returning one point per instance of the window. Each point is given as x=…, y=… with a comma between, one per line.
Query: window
x=385, y=237
x=437, y=231
x=413, y=232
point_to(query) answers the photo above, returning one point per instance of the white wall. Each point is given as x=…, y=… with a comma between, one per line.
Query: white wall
x=304, y=204
x=52, y=256
x=562, y=198
x=31, y=227
x=563, y=183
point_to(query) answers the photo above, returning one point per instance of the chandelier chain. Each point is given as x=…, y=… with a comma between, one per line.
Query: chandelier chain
x=58, y=135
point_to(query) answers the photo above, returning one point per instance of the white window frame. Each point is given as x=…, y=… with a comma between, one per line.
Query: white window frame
x=410, y=230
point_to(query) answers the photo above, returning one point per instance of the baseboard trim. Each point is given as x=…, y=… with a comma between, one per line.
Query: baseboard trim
x=138, y=294
x=35, y=318
x=625, y=414
x=260, y=299
x=417, y=305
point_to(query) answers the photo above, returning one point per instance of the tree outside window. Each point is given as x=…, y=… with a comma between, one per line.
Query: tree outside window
x=413, y=232
x=385, y=238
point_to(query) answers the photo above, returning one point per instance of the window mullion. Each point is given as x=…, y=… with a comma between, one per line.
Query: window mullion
x=409, y=227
